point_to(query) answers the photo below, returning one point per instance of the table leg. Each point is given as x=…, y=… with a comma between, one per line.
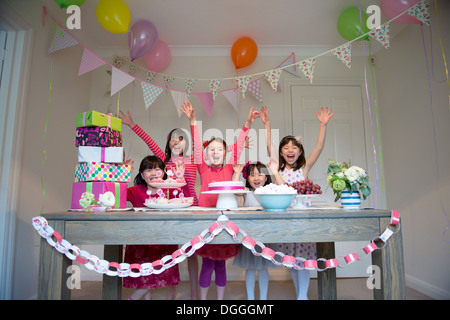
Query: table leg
x=326, y=280
x=112, y=286
x=392, y=271
x=53, y=276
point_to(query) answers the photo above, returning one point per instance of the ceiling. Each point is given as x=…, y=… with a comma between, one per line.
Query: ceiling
x=192, y=24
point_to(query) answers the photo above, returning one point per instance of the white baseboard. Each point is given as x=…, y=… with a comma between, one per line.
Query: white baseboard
x=426, y=288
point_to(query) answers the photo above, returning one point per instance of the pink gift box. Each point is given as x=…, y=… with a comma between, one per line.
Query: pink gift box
x=117, y=188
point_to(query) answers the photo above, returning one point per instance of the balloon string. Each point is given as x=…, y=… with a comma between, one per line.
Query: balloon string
x=377, y=121
x=371, y=122
x=442, y=49
x=434, y=131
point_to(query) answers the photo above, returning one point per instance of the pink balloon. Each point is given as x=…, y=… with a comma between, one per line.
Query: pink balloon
x=142, y=38
x=158, y=59
x=392, y=8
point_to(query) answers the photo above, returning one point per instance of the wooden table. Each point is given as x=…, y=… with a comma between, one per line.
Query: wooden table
x=171, y=227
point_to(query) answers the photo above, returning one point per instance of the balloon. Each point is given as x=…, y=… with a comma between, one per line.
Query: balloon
x=113, y=15
x=158, y=59
x=244, y=52
x=392, y=8
x=63, y=4
x=142, y=38
x=350, y=22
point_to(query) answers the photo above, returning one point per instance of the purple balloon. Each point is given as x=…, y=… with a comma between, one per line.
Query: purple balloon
x=142, y=38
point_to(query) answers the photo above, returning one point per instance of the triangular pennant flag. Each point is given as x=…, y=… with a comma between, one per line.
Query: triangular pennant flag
x=150, y=93
x=207, y=101
x=421, y=11
x=118, y=61
x=381, y=34
x=254, y=88
x=150, y=76
x=119, y=79
x=308, y=68
x=273, y=76
x=179, y=97
x=343, y=53
x=89, y=61
x=290, y=61
x=214, y=86
x=189, y=85
x=168, y=81
x=232, y=97
x=243, y=84
x=61, y=40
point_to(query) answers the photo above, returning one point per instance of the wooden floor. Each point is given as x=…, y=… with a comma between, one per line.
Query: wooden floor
x=347, y=289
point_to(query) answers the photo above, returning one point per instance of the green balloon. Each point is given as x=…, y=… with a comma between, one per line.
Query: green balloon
x=350, y=22
x=63, y=4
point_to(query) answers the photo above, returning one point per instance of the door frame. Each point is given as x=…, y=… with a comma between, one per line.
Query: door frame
x=369, y=133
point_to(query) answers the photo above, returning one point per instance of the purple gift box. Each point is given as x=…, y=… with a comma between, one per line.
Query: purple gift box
x=98, y=137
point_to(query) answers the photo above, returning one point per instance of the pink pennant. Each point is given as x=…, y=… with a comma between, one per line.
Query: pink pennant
x=119, y=79
x=207, y=100
x=254, y=88
x=89, y=61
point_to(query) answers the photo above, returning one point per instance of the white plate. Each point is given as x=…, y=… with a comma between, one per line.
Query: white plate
x=167, y=206
x=308, y=195
x=167, y=185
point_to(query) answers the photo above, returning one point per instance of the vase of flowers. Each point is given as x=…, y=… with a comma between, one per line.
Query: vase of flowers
x=348, y=183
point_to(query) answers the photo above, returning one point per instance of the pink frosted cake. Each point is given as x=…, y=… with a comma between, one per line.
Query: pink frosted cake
x=226, y=186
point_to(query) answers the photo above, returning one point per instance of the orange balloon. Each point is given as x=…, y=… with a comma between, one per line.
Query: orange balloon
x=244, y=52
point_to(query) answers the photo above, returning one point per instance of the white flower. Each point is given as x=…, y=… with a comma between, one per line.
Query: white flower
x=107, y=199
x=354, y=173
x=340, y=175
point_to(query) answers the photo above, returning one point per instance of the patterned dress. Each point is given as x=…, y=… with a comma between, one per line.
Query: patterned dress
x=305, y=250
x=149, y=253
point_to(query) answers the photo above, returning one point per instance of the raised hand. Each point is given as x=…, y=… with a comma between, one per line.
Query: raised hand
x=324, y=116
x=189, y=111
x=127, y=119
x=252, y=115
x=264, y=114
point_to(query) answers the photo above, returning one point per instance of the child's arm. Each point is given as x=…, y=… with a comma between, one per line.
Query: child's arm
x=237, y=167
x=189, y=111
x=273, y=154
x=273, y=167
x=252, y=115
x=128, y=120
x=323, y=118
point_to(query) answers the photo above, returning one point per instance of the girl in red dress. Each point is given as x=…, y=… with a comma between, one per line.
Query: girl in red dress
x=137, y=194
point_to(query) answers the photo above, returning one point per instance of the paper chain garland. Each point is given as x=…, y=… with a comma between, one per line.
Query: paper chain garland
x=135, y=270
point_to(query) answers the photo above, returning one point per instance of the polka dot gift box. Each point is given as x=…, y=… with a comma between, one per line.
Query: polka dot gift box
x=98, y=171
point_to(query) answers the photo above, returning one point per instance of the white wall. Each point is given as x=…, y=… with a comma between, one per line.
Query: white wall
x=413, y=184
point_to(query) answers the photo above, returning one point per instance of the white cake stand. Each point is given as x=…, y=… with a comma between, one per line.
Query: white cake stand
x=226, y=199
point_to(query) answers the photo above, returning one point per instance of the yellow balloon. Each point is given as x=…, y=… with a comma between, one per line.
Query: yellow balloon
x=113, y=15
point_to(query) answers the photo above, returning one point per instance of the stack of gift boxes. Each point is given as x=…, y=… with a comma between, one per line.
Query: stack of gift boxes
x=100, y=165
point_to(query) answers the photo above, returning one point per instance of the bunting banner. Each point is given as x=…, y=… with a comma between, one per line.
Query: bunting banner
x=214, y=85
x=243, y=84
x=273, y=76
x=189, y=85
x=254, y=88
x=343, y=53
x=179, y=97
x=308, y=68
x=168, y=81
x=61, y=40
x=89, y=62
x=381, y=34
x=119, y=79
x=150, y=93
x=232, y=97
x=421, y=11
x=290, y=66
x=207, y=101
x=150, y=76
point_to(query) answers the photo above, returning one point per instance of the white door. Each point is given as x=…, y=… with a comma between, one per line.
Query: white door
x=345, y=141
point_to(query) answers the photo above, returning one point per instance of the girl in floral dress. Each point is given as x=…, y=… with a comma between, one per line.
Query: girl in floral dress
x=295, y=167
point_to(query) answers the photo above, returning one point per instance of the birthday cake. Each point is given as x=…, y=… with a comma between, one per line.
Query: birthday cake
x=226, y=186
